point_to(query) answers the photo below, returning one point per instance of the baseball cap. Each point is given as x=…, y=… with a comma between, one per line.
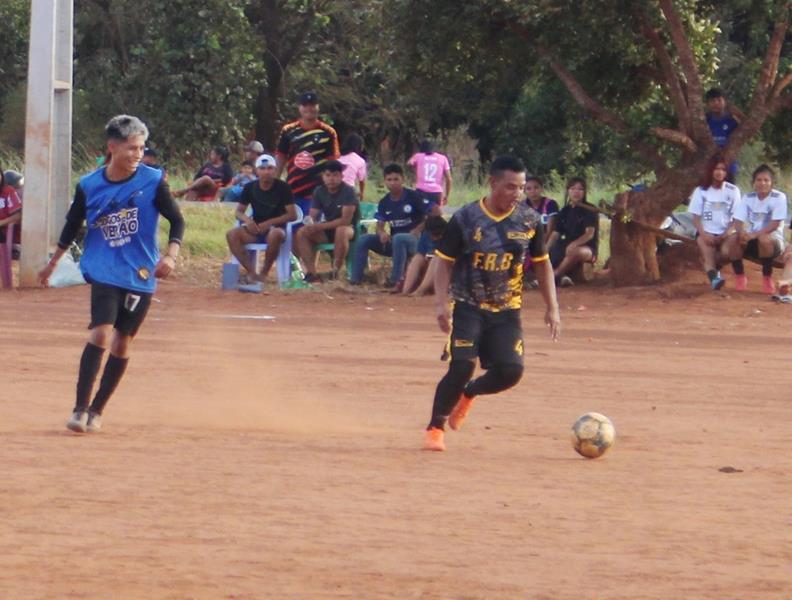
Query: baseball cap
x=150, y=152
x=309, y=98
x=255, y=146
x=265, y=160
x=334, y=166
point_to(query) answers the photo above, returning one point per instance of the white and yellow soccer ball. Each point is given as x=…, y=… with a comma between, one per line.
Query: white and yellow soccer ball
x=592, y=435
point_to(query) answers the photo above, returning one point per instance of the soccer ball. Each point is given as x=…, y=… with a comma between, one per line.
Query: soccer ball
x=592, y=435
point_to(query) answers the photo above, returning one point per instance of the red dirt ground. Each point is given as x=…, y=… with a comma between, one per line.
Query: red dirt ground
x=251, y=458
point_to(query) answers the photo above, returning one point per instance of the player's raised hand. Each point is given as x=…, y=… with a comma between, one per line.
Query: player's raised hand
x=444, y=317
x=553, y=321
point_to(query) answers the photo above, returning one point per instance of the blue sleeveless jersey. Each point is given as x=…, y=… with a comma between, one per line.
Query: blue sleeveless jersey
x=121, y=242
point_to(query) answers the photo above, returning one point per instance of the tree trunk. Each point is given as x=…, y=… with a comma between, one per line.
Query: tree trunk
x=633, y=248
x=267, y=101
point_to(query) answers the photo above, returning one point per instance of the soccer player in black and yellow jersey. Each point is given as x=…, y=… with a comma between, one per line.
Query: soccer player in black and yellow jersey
x=481, y=256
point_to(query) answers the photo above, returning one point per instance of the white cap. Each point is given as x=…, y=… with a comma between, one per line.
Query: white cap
x=265, y=160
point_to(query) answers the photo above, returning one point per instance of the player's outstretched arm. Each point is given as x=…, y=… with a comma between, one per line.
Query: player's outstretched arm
x=441, y=283
x=544, y=275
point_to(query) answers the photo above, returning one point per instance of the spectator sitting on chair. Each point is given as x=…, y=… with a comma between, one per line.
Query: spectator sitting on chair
x=355, y=170
x=337, y=202
x=574, y=241
x=419, y=278
x=712, y=206
x=245, y=175
x=759, y=222
x=272, y=207
x=215, y=174
x=404, y=211
x=10, y=209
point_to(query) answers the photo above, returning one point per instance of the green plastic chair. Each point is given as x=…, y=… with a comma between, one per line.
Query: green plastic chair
x=363, y=218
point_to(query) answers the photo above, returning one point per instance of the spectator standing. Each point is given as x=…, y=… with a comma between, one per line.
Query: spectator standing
x=336, y=202
x=303, y=147
x=575, y=238
x=722, y=120
x=712, y=207
x=355, y=171
x=403, y=211
x=432, y=173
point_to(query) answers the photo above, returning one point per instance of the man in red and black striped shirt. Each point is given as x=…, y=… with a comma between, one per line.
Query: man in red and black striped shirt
x=303, y=147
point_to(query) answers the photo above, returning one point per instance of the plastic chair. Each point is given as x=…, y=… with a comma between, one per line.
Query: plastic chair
x=283, y=262
x=6, y=255
x=365, y=215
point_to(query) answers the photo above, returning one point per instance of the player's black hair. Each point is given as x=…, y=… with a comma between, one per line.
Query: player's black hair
x=392, y=168
x=506, y=163
x=535, y=178
x=352, y=143
x=714, y=93
x=575, y=181
x=435, y=225
x=763, y=168
x=426, y=146
x=248, y=163
x=222, y=152
x=333, y=166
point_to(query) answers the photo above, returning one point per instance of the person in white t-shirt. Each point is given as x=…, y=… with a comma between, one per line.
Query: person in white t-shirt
x=355, y=169
x=759, y=221
x=712, y=206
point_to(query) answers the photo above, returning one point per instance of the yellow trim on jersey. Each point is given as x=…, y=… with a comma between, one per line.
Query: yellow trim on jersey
x=539, y=259
x=444, y=256
x=493, y=217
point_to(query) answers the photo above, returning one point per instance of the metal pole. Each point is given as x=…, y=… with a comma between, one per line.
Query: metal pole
x=38, y=142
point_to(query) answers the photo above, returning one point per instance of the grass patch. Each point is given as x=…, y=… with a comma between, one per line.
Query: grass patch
x=207, y=223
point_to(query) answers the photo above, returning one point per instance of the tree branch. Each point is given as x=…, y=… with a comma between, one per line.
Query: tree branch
x=690, y=69
x=677, y=137
x=770, y=64
x=781, y=85
x=598, y=111
x=670, y=75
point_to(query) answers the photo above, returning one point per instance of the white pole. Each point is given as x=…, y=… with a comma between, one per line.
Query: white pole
x=38, y=142
x=62, y=119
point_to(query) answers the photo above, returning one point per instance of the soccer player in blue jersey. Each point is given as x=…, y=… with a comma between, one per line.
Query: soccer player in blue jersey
x=481, y=256
x=121, y=203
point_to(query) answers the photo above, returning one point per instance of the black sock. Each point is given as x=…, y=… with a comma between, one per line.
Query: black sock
x=113, y=372
x=90, y=362
x=448, y=391
x=712, y=274
x=739, y=268
x=495, y=380
x=767, y=267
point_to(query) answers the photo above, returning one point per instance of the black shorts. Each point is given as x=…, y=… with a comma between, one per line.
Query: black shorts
x=124, y=309
x=496, y=338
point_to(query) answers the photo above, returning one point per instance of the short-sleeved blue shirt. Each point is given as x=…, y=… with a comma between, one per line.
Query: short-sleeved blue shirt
x=405, y=213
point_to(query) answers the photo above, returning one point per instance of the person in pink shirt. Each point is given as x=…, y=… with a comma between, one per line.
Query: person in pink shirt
x=432, y=173
x=355, y=170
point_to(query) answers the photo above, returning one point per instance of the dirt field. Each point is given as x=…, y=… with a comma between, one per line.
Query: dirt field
x=254, y=458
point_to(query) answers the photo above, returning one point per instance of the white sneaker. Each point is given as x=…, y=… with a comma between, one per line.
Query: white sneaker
x=566, y=281
x=78, y=421
x=94, y=422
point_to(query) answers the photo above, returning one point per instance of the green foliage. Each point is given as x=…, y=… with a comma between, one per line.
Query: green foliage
x=185, y=67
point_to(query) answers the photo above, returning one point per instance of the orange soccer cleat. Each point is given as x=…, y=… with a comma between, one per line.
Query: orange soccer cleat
x=460, y=412
x=434, y=440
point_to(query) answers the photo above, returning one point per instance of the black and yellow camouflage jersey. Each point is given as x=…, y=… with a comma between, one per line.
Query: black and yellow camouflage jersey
x=305, y=151
x=488, y=253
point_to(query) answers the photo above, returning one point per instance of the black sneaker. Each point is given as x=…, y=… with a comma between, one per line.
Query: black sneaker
x=333, y=276
x=312, y=278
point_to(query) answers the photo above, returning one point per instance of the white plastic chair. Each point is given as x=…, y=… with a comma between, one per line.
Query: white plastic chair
x=283, y=262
